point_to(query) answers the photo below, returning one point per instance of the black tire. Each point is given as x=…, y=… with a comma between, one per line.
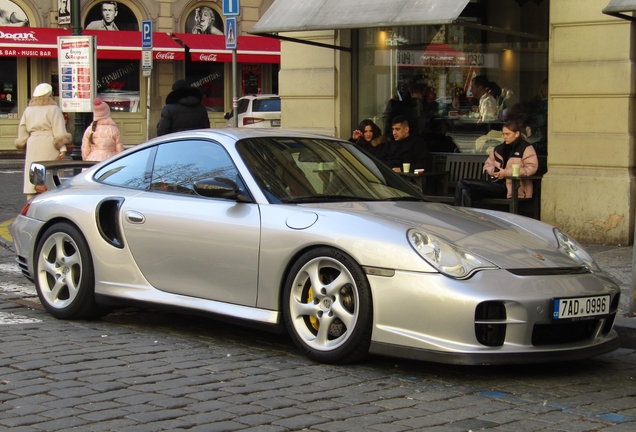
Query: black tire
x=64, y=275
x=331, y=324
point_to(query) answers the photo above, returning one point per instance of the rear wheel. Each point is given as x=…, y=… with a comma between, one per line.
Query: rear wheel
x=327, y=307
x=64, y=276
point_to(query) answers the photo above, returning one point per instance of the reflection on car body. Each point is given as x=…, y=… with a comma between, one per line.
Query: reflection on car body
x=310, y=235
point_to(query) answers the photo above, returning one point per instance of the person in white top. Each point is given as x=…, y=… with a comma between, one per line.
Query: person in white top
x=487, y=104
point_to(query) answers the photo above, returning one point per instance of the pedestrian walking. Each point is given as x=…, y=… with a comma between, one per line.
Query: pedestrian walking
x=42, y=132
x=184, y=110
x=101, y=139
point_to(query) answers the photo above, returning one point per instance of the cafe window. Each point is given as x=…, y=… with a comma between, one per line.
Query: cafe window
x=8, y=87
x=118, y=84
x=209, y=78
x=426, y=73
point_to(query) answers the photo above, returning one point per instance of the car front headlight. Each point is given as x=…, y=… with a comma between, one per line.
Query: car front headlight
x=447, y=258
x=573, y=249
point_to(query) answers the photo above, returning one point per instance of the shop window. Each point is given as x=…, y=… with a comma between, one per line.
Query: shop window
x=118, y=84
x=111, y=15
x=209, y=78
x=204, y=20
x=399, y=68
x=8, y=87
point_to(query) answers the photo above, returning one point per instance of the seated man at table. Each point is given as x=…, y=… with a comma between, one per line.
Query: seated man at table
x=498, y=166
x=407, y=148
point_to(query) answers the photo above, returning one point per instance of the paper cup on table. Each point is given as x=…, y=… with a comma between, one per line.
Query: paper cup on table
x=406, y=167
x=515, y=170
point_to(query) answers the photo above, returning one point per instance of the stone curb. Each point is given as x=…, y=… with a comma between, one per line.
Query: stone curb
x=626, y=329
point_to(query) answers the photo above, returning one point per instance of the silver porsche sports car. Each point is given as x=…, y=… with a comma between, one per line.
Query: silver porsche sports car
x=310, y=235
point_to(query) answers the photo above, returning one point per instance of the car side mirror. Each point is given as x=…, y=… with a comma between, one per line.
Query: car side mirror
x=228, y=115
x=220, y=187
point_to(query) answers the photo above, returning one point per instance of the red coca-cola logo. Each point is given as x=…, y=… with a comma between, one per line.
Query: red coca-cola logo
x=165, y=56
x=207, y=57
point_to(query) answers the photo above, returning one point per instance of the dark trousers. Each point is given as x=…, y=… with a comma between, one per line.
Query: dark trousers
x=471, y=189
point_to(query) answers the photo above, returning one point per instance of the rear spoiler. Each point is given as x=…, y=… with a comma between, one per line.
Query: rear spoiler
x=47, y=173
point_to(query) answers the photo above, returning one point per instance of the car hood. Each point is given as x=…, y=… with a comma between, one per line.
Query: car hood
x=508, y=241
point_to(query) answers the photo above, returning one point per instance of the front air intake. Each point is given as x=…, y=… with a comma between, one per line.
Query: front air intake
x=489, y=328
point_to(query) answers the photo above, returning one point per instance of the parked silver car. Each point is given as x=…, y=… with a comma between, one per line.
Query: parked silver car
x=308, y=234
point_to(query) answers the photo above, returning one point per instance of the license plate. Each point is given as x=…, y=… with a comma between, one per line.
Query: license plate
x=275, y=123
x=581, y=307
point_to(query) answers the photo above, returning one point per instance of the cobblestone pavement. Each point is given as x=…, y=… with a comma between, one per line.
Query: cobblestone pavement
x=142, y=370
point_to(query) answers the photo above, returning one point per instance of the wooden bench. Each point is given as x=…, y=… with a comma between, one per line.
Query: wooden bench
x=464, y=165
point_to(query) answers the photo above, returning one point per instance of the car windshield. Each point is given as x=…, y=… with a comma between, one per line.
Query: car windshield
x=306, y=170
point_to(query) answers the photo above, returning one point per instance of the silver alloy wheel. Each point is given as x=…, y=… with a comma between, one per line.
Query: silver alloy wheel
x=59, y=270
x=324, y=304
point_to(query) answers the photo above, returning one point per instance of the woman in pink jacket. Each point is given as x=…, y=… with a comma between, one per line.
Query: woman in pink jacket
x=102, y=138
x=498, y=166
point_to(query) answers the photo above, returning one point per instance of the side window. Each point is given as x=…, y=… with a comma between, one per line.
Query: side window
x=178, y=165
x=266, y=105
x=129, y=171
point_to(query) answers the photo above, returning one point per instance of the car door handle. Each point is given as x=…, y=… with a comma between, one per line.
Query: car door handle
x=135, y=217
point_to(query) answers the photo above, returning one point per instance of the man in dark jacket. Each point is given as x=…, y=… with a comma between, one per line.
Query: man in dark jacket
x=407, y=148
x=183, y=110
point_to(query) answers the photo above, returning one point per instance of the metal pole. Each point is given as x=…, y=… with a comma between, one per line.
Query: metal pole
x=78, y=130
x=234, y=90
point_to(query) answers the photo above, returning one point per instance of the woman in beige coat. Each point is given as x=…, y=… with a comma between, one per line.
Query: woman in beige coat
x=42, y=132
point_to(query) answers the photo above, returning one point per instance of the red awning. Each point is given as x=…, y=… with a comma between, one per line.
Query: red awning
x=30, y=41
x=41, y=42
x=126, y=45
x=250, y=49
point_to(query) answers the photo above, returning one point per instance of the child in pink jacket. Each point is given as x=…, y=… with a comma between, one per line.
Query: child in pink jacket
x=102, y=138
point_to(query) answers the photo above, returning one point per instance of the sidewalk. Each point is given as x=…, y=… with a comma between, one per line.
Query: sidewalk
x=616, y=261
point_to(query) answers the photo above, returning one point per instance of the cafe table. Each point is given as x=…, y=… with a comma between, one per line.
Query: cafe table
x=421, y=179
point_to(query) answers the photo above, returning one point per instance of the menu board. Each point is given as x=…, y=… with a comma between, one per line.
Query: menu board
x=76, y=63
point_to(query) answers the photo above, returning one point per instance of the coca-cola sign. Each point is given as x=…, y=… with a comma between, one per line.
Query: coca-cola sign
x=22, y=36
x=207, y=57
x=164, y=56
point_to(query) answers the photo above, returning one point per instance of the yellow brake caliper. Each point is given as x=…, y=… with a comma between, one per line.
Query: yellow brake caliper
x=312, y=319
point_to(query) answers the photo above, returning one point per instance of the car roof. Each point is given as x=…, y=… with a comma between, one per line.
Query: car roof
x=261, y=96
x=238, y=134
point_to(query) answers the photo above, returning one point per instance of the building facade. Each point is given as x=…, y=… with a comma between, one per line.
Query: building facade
x=565, y=65
x=188, y=43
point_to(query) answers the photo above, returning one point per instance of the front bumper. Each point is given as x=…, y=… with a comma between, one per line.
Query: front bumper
x=433, y=317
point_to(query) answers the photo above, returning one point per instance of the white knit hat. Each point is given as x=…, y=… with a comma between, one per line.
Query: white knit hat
x=43, y=89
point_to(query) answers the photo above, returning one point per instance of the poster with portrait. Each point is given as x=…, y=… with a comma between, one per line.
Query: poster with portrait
x=204, y=20
x=63, y=11
x=111, y=15
x=251, y=78
x=12, y=15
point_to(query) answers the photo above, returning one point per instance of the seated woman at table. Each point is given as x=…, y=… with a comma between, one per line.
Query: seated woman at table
x=514, y=150
x=369, y=137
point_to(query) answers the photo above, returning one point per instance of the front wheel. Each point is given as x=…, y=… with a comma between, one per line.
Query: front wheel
x=64, y=276
x=327, y=307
